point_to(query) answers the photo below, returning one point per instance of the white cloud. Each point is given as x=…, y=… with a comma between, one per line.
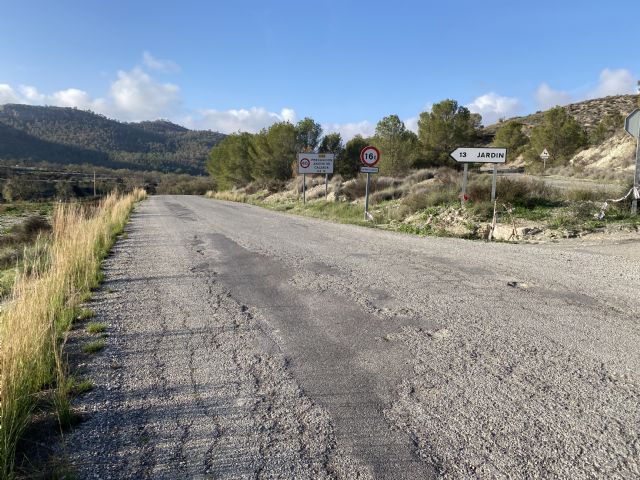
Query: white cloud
x=365, y=128
x=288, y=115
x=349, y=130
x=613, y=82
x=547, y=97
x=73, y=97
x=31, y=94
x=246, y=120
x=165, y=66
x=8, y=94
x=492, y=107
x=136, y=96
x=412, y=124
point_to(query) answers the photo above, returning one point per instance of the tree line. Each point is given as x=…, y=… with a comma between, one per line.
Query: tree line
x=270, y=154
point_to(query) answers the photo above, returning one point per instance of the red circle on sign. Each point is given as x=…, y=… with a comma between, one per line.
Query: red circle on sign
x=363, y=155
x=304, y=163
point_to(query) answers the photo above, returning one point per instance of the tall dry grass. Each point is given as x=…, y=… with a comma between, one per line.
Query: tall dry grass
x=45, y=296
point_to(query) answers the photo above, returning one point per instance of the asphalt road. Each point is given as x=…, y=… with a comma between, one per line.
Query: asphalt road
x=245, y=343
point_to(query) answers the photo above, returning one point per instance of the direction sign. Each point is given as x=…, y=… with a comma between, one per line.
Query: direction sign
x=479, y=155
x=369, y=169
x=315, y=163
x=632, y=123
x=369, y=156
x=545, y=154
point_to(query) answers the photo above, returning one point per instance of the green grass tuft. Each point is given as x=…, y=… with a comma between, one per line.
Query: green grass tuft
x=94, y=346
x=85, y=314
x=78, y=387
x=96, y=327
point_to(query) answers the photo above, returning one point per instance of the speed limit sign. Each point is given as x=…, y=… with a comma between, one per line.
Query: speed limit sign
x=369, y=156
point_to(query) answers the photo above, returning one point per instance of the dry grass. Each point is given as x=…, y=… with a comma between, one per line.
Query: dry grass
x=44, y=300
x=232, y=196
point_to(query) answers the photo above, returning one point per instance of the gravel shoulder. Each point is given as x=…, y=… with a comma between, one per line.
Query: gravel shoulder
x=245, y=343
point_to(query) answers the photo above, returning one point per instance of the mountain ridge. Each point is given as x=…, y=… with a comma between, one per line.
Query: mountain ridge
x=74, y=136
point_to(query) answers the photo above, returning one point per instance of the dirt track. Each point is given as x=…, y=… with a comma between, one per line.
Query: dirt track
x=250, y=344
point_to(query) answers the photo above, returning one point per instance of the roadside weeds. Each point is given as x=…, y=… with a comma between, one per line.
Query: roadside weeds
x=44, y=303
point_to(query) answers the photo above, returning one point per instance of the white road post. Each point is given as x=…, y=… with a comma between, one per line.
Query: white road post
x=493, y=182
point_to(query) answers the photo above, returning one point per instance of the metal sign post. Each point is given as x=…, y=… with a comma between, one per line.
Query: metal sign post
x=465, y=177
x=326, y=185
x=369, y=157
x=304, y=188
x=636, y=181
x=632, y=127
x=366, y=198
x=494, y=180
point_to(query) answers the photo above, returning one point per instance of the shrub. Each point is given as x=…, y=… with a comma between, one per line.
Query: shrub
x=419, y=176
x=390, y=193
x=429, y=197
x=354, y=189
x=583, y=195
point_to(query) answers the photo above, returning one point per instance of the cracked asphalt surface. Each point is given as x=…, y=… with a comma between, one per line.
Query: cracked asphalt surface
x=245, y=343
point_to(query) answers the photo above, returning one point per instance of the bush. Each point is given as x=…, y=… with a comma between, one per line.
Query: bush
x=354, y=189
x=419, y=176
x=429, y=197
x=271, y=186
x=390, y=193
x=583, y=195
x=526, y=193
x=448, y=176
x=185, y=185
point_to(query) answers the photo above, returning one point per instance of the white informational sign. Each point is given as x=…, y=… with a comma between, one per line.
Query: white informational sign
x=479, y=155
x=315, y=163
x=545, y=154
x=369, y=169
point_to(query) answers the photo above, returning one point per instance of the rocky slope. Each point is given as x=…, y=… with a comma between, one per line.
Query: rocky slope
x=616, y=153
x=588, y=113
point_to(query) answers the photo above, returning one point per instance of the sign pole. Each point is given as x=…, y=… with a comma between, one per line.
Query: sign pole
x=326, y=185
x=304, y=188
x=493, y=182
x=366, y=199
x=465, y=175
x=636, y=178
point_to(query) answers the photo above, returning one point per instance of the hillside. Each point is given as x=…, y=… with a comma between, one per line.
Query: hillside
x=71, y=136
x=588, y=113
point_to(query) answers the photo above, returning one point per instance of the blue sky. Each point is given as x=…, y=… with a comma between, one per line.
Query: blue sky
x=240, y=65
